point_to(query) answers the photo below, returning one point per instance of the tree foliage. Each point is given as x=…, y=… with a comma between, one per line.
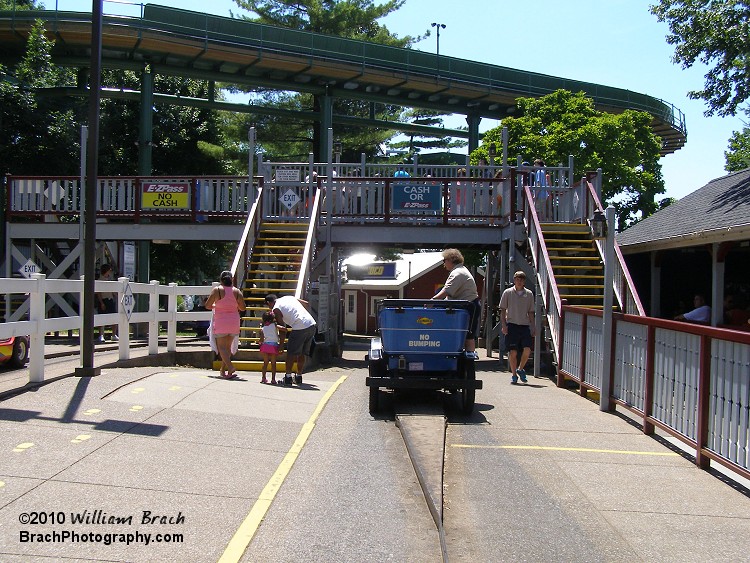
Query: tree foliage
x=287, y=138
x=38, y=135
x=622, y=145
x=19, y=4
x=716, y=33
x=355, y=19
x=738, y=153
x=416, y=143
x=185, y=140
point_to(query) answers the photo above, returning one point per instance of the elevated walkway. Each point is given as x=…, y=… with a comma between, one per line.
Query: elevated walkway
x=207, y=47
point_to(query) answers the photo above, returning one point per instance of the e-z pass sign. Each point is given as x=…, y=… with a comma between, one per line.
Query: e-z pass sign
x=167, y=196
x=416, y=196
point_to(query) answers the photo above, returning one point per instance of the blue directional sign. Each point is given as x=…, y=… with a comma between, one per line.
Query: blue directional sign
x=416, y=196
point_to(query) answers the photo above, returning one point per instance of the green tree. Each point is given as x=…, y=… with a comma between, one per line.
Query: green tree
x=717, y=33
x=185, y=140
x=38, y=135
x=416, y=143
x=19, y=5
x=622, y=145
x=353, y=19
x=738, y=153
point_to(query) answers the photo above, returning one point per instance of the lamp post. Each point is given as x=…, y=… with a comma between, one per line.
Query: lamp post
x=337, y=149
x=438, y=27
x=492, y=153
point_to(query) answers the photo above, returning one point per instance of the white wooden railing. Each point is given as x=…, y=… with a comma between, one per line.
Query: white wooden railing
x=691, y=381
x=161, y=308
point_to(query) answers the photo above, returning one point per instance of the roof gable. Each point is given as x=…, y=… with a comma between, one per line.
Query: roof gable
x=720, y=210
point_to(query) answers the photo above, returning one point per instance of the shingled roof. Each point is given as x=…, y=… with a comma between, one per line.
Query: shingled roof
x=717, y=212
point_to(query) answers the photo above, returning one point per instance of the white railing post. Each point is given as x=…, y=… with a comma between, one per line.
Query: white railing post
x=607, y=320
x=172, y=322
x=123, y=324
x=37, y=298
x=153, y=323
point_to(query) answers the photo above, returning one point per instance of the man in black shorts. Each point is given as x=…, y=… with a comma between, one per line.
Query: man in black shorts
x=517, y=318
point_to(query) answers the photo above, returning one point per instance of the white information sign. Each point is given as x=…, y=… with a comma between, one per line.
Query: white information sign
x=128, y=262
x=29, y=268
x=287, y=175
x=289, y=199
x=128, y=301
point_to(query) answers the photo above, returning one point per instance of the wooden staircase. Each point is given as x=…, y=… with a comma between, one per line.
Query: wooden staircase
x=273, y=268
x=576, y=264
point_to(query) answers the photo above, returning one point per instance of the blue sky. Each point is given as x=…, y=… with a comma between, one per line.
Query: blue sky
x=609, y=42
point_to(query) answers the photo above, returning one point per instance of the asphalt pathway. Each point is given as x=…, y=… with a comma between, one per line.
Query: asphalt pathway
x=174, y=464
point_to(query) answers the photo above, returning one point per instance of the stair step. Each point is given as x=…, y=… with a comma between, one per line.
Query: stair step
x=581, y=286
x=581, y=240
x=579, y=276
x=275, y=262
x=571, y=249
x=254, y=284
x=555, y=257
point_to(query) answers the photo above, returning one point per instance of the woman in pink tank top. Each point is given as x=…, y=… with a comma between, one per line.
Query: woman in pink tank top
x=226, y=302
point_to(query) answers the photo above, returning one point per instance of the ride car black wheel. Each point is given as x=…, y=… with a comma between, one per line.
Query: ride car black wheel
x=376, y=369
x=468, y=394
x=374, y=396
x=20, y=353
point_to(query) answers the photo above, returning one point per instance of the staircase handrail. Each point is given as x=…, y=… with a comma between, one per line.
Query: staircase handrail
x=247, y=240
x=543, y=265
x=310, y=244
x=623, y=286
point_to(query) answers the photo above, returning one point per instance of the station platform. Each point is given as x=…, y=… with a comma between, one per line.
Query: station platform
x=172, y=463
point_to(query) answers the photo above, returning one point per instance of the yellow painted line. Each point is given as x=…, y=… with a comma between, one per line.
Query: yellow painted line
x=2, y=484
x=244, y=534
x=138, y=390
x=23, y=447
x=80, y=438
x=175, y=388
x=554, y=449
x=91, y=411
x=136, y=408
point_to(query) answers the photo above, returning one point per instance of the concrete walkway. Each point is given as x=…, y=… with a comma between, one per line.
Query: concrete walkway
x=180, y=465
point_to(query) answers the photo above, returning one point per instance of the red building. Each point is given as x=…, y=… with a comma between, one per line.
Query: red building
x=415, y=276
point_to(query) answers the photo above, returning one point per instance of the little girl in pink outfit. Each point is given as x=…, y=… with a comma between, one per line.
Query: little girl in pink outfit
x=269, y=345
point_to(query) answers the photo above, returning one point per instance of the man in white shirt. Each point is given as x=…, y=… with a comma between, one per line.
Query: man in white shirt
x=292, y=312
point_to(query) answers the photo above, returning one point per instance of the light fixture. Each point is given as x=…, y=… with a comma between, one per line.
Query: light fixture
x=492, y=150
x=598, y=225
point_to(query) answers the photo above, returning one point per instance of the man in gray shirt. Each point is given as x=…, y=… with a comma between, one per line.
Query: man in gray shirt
x=517, y=318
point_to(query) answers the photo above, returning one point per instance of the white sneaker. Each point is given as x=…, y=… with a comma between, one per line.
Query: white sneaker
x=115, y=338
x=101, y=339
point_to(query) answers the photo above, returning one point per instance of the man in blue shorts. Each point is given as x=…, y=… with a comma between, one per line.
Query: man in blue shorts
x=517, y=318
